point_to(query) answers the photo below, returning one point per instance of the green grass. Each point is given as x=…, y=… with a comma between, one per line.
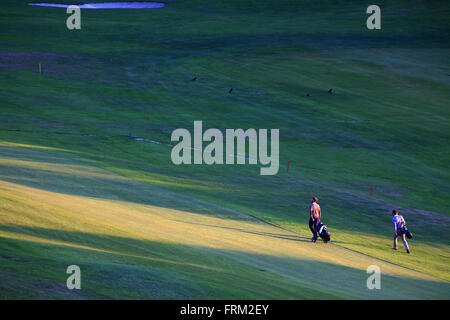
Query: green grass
x=75, y=189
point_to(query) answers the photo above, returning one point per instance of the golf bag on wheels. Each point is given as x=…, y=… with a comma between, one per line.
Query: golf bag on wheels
x=322, y=231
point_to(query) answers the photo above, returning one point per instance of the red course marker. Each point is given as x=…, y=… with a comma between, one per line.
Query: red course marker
x=371, y=188
x=288, y=166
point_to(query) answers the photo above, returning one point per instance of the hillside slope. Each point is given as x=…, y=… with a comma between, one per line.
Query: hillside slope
x=75, y=188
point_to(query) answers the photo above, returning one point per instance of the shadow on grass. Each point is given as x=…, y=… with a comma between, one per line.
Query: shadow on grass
x=121, y=268
x=292, y=237
x=54, y=173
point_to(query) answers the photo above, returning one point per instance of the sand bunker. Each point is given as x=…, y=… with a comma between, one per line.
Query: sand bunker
x=107, y=5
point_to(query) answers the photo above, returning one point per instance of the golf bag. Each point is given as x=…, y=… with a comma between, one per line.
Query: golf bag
x=322, y=231
x=407, y=233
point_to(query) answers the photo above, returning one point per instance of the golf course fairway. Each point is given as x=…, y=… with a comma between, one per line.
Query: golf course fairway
x=86, y=176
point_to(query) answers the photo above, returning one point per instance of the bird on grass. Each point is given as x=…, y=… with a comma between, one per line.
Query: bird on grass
x=231, y=90
x=330, y=91
x=195, y=78
x=307, y=94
